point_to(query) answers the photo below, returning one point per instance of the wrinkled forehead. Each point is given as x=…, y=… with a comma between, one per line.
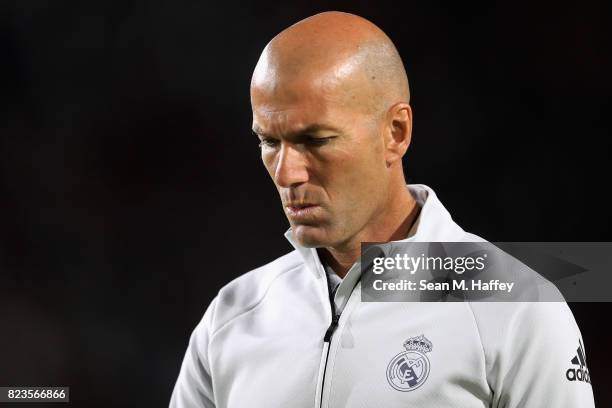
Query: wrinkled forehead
x=279, y=118
x=289, y=106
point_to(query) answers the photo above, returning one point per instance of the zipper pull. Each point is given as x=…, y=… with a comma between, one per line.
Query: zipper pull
x=332, y=327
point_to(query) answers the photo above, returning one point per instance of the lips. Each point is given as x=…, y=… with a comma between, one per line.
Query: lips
x=301, y=211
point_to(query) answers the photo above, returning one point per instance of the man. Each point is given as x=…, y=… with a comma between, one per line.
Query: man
x=331, y=108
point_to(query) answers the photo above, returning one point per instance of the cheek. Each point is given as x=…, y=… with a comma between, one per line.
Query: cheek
x=365, y=166
x=361, y=180
x=355, y=180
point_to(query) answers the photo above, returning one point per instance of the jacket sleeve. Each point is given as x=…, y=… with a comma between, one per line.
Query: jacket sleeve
x=536, y=358
x=193, y=387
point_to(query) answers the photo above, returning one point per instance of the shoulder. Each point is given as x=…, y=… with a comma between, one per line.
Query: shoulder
x=534, y=316
x=534, y=354
x=248, y=290
x=534, y=309
x=537, y=336
x=499, y=321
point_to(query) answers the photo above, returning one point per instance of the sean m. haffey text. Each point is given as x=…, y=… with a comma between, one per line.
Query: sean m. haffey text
x=412, y=264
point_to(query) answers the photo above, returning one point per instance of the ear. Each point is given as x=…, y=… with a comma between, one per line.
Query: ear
x=398, y=132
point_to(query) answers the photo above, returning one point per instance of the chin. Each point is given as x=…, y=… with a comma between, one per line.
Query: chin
x=310, y=237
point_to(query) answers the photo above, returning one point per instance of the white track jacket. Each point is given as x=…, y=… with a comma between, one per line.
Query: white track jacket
x=269, y=340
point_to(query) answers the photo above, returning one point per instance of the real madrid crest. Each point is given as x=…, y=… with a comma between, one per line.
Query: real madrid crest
x=409, y=369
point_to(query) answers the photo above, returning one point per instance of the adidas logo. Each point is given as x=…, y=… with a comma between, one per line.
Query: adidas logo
x=581, y=373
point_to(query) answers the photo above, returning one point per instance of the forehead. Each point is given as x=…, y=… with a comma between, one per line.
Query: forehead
x=291, y=107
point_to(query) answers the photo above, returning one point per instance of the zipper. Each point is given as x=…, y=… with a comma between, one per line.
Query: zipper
x=327, y=339
x=332, y=328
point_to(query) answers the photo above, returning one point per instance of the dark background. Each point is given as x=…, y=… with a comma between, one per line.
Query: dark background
x=131, y=188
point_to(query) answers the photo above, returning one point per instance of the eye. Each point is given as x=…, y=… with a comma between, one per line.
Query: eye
x=318, y=141
x=268, y=142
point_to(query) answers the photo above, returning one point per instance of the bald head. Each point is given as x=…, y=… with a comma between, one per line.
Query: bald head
x=339, y=52
x=330, y=108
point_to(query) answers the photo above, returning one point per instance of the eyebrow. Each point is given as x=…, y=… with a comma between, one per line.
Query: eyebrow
x=308, y=130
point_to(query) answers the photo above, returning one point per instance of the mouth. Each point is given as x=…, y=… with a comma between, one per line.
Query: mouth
x=301, y=211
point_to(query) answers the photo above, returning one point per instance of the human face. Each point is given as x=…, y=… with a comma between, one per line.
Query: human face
x=325, y=157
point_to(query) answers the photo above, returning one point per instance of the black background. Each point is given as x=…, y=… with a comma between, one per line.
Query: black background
x=131, y=188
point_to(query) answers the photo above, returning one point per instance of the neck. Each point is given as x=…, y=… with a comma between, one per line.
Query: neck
x=392, y=224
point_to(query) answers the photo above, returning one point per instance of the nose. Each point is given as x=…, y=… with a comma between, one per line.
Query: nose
x=291, y=167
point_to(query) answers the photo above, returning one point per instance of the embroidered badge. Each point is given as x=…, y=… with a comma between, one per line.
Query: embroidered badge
x=408, y=370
